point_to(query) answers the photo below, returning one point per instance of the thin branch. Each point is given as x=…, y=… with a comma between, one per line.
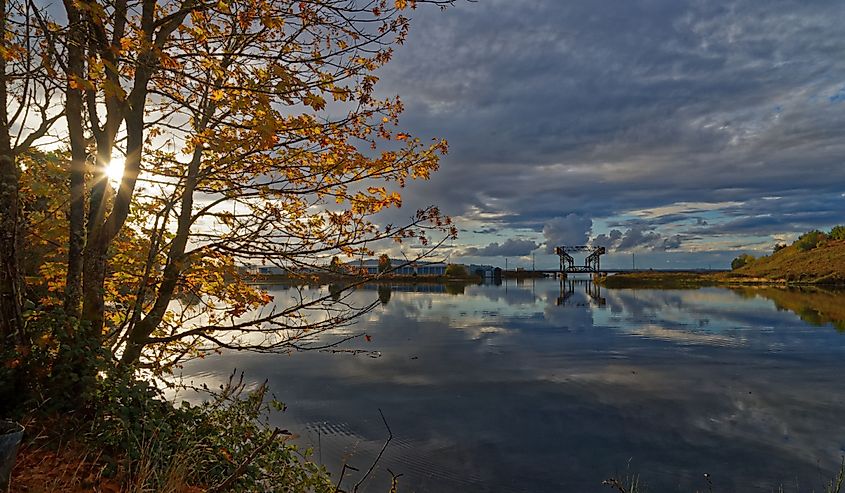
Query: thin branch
x=378, y=457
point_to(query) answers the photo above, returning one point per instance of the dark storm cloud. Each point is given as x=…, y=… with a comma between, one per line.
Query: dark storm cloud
x=637, y=238
x=797, y=213
x=509, y=248
x=602, y=108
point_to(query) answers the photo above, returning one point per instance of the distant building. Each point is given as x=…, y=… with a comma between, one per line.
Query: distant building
x=483, y=271
x=264, y=270
x=400, y=267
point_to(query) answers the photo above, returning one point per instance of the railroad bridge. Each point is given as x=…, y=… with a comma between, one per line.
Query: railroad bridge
x=592, y=263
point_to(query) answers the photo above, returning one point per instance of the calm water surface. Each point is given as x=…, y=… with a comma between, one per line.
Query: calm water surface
x=533, y=388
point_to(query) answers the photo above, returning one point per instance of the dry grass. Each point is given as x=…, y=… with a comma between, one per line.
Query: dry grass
x=47, y=465
x=822, y=265
x=650, y=279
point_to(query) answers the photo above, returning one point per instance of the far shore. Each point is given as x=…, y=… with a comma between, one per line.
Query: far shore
x=330, y=278
x=691, y=279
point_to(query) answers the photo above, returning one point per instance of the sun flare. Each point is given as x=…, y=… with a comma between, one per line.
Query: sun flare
x=114, y=170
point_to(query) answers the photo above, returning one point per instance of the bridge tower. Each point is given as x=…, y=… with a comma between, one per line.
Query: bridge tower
x=592, y=263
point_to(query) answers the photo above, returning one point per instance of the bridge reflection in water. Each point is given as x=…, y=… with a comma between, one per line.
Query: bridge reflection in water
x=568, y=288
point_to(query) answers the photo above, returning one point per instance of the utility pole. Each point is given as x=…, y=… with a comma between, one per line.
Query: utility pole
x=533, y=267
x=633, y=261
x=506, y=264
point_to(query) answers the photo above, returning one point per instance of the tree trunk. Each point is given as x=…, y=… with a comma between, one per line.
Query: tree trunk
x=172, y=271
x=73, y=114
x=79, y=349
x=11, y=320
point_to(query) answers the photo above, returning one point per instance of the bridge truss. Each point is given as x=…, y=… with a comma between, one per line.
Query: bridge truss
x=592, y=263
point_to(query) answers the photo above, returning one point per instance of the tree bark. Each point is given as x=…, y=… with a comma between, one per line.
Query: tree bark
x=73, y=114
x=11, y=299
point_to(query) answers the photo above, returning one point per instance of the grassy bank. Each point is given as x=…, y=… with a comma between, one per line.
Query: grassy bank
x=656, y=280
x=816, y=258
x=797, y=264
x=693, y=280
x=823, y=265
x=133, y=440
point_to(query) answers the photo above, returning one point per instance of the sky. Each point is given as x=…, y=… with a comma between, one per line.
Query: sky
x=676, y=133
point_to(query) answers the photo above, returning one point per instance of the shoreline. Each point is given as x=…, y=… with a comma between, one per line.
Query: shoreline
x=324, y=279
x=693, y=279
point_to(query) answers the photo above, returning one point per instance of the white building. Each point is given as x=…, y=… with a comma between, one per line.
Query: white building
x=401, y=267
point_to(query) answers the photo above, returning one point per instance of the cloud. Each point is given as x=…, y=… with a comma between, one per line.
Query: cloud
x=509, y=248
x=571, y=229
x=611, y=108
x=637, y=238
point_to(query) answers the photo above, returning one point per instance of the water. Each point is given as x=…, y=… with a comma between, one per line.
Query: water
x=533, y=388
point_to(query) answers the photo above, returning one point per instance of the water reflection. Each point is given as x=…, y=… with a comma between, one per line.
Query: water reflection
x=592, y=290
x=505, y=388
x=816, y=306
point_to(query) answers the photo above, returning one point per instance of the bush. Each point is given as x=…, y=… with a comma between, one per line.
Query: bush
x=143, y=442
x=456, y=270
x=741, y=261
x=779, y=247
x=811, y=240
x=837, y=233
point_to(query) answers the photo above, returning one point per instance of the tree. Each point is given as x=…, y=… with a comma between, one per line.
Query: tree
x=249, y=132
x=810, y=240
x=742, y=261
x=27, y=96
x=837, y=233
x=384, y=263
x=456, y=270
x=336, y=266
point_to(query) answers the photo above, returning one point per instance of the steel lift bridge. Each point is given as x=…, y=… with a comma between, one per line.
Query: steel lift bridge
x=592, y=264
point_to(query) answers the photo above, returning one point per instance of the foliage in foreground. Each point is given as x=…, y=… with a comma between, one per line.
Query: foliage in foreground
x=144, y=443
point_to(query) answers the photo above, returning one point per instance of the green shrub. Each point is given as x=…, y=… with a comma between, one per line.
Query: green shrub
x=810, y=240
x=149, y=442
x=837, y=233
x=741, y=261
x=456, y=270
x=779, y=247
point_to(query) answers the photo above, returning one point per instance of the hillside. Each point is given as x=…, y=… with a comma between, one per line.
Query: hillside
x=824, y=264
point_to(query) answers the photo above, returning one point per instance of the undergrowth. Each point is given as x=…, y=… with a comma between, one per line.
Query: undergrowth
x=139, y=442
